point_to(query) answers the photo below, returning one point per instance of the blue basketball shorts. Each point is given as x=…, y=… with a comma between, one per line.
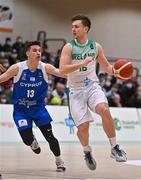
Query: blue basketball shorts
x=24, y=118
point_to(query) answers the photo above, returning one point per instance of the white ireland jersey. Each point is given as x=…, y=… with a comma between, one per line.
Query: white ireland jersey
x=86, y=74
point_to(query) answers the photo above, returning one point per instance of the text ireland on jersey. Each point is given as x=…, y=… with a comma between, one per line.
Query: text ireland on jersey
x=82, y=56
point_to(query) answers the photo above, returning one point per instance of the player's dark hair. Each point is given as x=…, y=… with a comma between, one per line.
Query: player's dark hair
x=31, y=43
x=85, y=20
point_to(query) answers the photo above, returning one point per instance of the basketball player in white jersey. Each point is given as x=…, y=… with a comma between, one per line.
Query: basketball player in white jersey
x=78, y=60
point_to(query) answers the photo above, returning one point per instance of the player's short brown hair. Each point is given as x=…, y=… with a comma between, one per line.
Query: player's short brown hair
x=85, y=20
x=31, y=43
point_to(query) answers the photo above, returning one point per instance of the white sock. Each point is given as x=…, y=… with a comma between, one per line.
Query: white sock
x=113, y=141
x=58, y=159
x=86, y=148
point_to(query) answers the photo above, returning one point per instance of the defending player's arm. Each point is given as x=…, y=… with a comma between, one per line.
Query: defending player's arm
x=11, y=72
x=103, y=61
x=66, y=65
x=2, y=69
x=54, y=71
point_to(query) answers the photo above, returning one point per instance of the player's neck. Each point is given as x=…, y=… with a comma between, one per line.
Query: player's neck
x=82, y=41
x=32, y=65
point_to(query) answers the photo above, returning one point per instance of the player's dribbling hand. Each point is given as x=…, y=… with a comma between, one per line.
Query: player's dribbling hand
x=2, y=69
x=88, y=60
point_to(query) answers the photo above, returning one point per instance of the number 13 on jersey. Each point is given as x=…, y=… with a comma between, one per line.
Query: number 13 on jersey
x=30, y=93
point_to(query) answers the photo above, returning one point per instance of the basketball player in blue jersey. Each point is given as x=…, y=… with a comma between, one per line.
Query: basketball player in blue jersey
x=78, y=60
x=29, y=92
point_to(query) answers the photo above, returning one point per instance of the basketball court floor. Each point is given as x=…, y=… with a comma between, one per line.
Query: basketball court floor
x=17, y=161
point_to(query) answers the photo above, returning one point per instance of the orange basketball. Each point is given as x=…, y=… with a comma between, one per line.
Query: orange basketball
x=123, y=69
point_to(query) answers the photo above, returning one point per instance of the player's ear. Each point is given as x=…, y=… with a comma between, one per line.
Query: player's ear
x=86, y=29
x=27, y=53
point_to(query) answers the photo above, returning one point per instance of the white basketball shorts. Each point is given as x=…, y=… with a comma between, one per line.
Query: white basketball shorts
x=84, y=99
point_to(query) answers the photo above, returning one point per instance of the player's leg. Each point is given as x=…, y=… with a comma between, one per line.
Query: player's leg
x=108, y=125
x=83, y=135
x=43, y=120
x=0, y=176
x=53, y=144
x=98, y=103
x=24, y=126
x=30, y=140
x=82, y=117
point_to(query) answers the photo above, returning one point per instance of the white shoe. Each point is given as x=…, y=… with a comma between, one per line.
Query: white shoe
x=90, y=161
x=60, y=166
x=118, y=154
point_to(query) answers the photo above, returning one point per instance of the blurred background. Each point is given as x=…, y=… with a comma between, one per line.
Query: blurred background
x=115, y=25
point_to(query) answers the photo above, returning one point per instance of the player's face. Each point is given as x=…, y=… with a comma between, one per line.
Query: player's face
x=78, y=29
x=34, y=52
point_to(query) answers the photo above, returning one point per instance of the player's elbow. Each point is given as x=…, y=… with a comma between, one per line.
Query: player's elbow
x=62, y=71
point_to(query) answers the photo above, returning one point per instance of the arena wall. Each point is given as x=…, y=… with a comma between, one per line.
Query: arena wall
x=115, y=24
x=127, y=123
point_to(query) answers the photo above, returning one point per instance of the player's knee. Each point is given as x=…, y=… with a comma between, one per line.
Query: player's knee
x=47, y=133
x=27, y=136
x=83, y=129
x=51, y=138
x=102, y=108
x=53, y=142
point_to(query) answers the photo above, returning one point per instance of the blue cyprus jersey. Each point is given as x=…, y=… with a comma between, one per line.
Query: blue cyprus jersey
x=30, y=88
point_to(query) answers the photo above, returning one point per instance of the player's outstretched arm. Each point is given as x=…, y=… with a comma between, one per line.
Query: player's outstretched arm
x=11, y=72
x=50, y=69
x=66, y=65
x=106, y=66
x=2, y=69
